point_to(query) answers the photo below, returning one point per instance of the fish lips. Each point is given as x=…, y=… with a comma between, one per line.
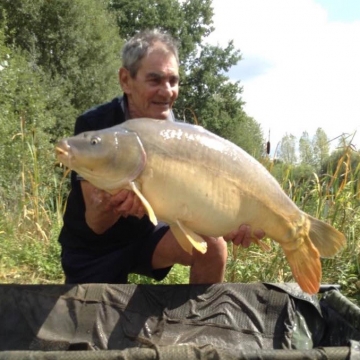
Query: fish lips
x=63, y=153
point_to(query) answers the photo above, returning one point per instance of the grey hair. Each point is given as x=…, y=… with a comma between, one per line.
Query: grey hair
x=141, y=45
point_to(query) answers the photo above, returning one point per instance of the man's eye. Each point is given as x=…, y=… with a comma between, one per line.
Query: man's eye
x=174, y=81
x=95, y=140
x=154, y=81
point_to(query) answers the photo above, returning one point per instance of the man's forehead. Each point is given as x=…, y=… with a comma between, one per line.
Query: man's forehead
x=159, y=61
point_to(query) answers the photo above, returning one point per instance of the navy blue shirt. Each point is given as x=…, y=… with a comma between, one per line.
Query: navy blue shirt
x=75, y=232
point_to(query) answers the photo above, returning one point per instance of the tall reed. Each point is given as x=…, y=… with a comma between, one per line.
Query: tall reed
x=30, y=221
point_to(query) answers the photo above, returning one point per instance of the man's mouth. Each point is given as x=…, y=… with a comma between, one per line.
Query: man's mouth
x=161, y=103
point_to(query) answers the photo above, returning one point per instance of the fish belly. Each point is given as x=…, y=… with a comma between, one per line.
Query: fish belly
x=216, y=200
x=209, y=183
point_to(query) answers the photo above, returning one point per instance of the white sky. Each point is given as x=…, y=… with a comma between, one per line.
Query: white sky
x=301, y=63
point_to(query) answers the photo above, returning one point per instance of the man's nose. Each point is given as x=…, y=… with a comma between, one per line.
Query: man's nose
x=166, y=89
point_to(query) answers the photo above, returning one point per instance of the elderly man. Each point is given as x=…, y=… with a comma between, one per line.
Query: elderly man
x=104, y=237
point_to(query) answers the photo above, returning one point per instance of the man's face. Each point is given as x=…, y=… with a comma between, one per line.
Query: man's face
x=155, y=87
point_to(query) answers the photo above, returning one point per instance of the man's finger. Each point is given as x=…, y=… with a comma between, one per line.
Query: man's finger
x=243, y=237
x=259, y=234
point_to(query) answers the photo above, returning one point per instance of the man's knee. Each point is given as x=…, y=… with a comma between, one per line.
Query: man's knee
x=169, y=252
x=209, y=268
x=216, y=252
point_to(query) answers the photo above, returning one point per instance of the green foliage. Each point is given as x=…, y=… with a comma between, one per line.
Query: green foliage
x=287, y=150
x=246, y=133
x=27, y=258
x=188, y=21
x=27, y=232
x=321, y=147
x=306, y=149
x=207, y=91
x=75, y=43
x=31, y=217
x=349, y=162
x=313, y=152
x=24, y=96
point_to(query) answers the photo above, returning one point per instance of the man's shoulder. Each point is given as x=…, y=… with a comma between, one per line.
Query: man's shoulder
x=103, y=109
x=101, y=116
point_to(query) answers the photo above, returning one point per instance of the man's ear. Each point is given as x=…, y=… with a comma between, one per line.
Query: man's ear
x=124, y=80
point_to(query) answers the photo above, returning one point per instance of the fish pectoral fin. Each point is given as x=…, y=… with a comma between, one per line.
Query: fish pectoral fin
x=305, y=265
x=181, y=238
x=146, y=204
x=188, y=238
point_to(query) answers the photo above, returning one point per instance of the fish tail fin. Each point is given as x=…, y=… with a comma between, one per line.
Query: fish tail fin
x=316, y=239
x=326, y=238
x=305, y=265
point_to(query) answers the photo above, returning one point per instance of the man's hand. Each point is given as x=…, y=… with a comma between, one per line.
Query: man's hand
x=244, y=236
x=103, y=209
x=126, y=203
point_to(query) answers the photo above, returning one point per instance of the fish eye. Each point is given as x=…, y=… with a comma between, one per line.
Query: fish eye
x=95, y=140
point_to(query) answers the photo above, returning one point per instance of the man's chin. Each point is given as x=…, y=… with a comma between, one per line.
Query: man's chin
x=162, y=115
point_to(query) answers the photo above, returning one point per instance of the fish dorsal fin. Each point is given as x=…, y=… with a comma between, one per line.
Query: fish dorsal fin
x=187, y=238
x=146, y=204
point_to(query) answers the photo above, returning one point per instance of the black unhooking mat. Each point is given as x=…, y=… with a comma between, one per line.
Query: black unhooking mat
x=222, y=321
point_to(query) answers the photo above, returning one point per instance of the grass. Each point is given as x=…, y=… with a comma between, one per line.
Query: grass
x=30, y=251
x=32, y=218
x=30, y=222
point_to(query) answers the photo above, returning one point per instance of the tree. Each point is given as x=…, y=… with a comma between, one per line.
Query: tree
x=306, y=149
x=75, y=42
x=321, y=147
x=188, y=21
x=25, y=95
x=247, y=134
x=287, y=150
x=207, y=91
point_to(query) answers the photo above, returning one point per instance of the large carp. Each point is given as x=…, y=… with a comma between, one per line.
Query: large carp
x=200, y=183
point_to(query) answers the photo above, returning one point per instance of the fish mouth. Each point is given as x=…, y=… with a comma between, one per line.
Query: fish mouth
x=61, y=152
